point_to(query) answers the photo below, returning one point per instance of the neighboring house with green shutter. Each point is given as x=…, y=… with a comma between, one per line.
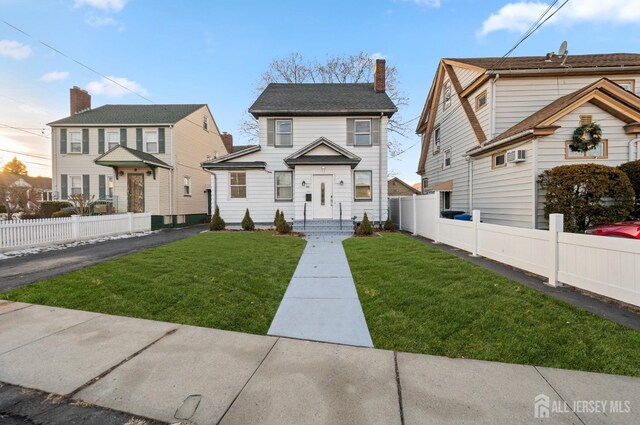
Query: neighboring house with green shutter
x=322, y=155
x=136, y=158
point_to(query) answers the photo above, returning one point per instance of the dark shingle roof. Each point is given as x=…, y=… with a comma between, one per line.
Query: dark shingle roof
x=321, y=99
x=131, y=114
x=538, y=62
x=145, y=157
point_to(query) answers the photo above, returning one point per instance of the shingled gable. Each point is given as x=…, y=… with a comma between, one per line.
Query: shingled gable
x=604, y=93
x=321, y=99
x=305, y=155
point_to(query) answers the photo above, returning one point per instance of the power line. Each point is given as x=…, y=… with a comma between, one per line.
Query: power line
x=25, y=154
x=23, y=130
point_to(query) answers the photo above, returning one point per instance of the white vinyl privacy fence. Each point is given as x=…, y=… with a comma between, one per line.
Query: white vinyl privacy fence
x=602, y=265
x=16, y=234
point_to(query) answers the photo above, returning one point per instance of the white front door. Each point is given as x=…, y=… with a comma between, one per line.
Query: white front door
x=322, y=196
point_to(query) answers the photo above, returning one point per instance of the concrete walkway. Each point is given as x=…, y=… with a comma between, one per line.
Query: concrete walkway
x=173, y=373
x=321, y=302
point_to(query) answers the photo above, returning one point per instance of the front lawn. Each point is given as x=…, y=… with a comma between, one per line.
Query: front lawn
x=420, y=299
x=233, y=281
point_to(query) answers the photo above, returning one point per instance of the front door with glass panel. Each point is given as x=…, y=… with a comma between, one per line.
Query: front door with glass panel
x=323, y=196
x=135, y=192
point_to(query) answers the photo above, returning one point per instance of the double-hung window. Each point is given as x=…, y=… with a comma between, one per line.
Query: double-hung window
x=284, y=133
x=436, y=140
x=75, y=185
x=447, y=95
x=362, y=133
x=151, y=141
x=75, y=142
x=238, y=184
x=113, y=139
x=362, y=184
x=284, y=185
x=446, y=159
x=187, y=186
x=205, y=122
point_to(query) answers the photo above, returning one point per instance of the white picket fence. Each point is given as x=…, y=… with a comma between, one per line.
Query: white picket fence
x=16, y=234
x=602, y=265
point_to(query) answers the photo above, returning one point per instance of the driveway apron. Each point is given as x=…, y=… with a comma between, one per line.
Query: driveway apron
x=321, y=302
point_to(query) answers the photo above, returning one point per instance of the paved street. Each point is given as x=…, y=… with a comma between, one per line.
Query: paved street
x=173, y=373
x=27, y=269
x=321, y=302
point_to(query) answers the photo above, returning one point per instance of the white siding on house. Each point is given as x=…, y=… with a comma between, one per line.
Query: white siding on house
x=260, y=183
x=505, y=195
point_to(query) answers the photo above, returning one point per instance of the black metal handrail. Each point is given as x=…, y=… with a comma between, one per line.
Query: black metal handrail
x=304, y=222
x=340, y=215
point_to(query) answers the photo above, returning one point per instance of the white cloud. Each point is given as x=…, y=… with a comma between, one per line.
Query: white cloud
x=109, y=89
x=377, y=55
x=105, y=5
x=519, y=16
x=430, y=3
x=54, y=76
x=103, y=21
x=14, y=49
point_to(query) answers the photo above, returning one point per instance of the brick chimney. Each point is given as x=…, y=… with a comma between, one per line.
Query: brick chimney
x=379, y=75
x=80, y=100
x=227, y=139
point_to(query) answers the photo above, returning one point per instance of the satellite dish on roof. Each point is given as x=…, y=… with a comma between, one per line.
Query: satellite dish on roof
x=563, y=49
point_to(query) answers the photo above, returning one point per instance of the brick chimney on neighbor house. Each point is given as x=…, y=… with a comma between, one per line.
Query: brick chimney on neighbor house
x=80, y=100
x=379, y=75
x=227, y=139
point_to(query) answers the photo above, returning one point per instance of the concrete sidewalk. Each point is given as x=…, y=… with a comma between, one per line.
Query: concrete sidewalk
x=172, y=373
x=321, y=302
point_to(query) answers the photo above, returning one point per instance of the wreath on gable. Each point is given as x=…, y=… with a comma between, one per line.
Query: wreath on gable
x=582, y=143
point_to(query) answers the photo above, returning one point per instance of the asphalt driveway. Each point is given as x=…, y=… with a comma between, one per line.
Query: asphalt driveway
x=28, y=269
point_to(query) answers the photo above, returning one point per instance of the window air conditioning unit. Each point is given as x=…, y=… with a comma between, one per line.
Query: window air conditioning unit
x=516, y=155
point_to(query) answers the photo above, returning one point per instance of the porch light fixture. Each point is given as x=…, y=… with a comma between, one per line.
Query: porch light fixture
x=148, y=172
x=304, y=184
x=121, y=173
x=341, y=182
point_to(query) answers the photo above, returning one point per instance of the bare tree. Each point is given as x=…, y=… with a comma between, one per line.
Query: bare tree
x=81, y=203
x=356, y=68
x=14, y=199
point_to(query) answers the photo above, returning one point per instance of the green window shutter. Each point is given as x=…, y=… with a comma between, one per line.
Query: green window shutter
x=86, y=190
x=85, y=140
x=271, y=132
x=375, y=131
x=64, y=181
x=139, y=139
x=101, y=186
x=123, y=137
x=161, y=140
x=101, y=140
x=63, y=140
x=350, y=132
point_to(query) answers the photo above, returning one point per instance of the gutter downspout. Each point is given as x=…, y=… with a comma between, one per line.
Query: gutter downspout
x=492, y=121
x=380, y=171
x=171, y=175
x=632, y=142
x=535, y=183
x=54, y=165
x=469, y=160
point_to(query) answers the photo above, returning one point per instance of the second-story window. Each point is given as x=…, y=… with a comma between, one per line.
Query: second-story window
x=436, y=140
x=362, y=132
x=284, y=133
x=187, y=186
x=113, y=139
x=446, y=160
x=75, y=142
x=481, y=100
x=205, y=122
x=151, y=141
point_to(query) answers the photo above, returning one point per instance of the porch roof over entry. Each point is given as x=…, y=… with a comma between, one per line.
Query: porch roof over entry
x=121, y=156
x=322, y=152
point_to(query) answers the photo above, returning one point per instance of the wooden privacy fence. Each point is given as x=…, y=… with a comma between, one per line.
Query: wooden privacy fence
x=602, y=265
x=17, y=234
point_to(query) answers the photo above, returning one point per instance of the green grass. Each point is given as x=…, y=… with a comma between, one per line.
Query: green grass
x=233, y=281
x=420, y=299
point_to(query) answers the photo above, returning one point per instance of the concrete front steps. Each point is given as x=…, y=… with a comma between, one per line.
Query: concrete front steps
x=324, y=227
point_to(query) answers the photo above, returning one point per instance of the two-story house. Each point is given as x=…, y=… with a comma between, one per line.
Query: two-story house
x=322, y=154
x=490, y=126
x=136, y=158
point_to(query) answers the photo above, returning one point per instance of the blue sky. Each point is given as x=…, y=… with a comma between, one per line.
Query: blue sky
x=214, y=52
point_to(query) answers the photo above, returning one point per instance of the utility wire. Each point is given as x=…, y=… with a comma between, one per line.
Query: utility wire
x=23, y=130
x=25, y=154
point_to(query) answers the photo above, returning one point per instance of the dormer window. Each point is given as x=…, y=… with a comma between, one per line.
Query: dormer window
x=284, y=133
x=362, y=132
x=446, y=95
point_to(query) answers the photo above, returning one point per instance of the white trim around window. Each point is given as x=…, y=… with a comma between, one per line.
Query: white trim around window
x=150, y=138
x=436, y=139
x=112, y=139
x=75, y=142
x=446, y=159
x=186, y=184
x=362, y=190
x=75, y=185
x=284, y=133
x=283, y=185
x=362, y=132
x=237, y=184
